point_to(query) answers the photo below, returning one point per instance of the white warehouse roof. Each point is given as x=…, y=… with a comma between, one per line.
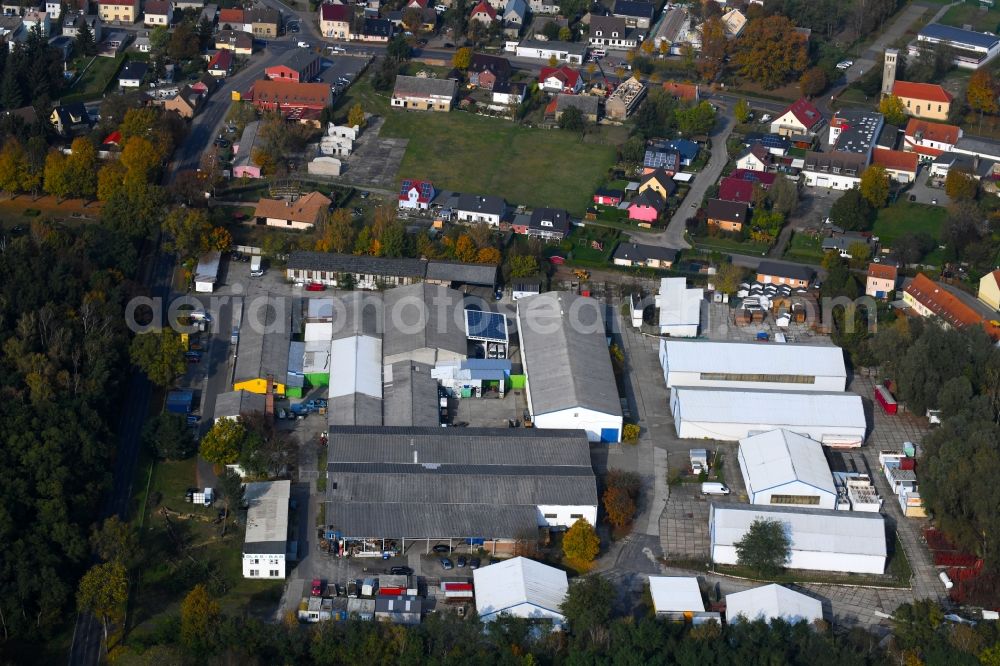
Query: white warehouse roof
x=520, y=587
x=676, y=594
x=679, y=306
x=356, y=366
x=267, y=517
x=771, y=602
x=754, y=358
x=779, y=457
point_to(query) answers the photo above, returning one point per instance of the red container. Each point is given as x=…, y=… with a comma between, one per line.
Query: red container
x=885, y=400
x=908, y=463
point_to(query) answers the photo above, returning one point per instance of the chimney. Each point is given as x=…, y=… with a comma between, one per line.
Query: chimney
x=269, y=398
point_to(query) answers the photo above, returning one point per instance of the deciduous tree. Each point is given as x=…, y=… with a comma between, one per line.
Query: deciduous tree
x=465, y=249
x=875, y=185
x=141, y=160
x=728, y=277
x=581, y=545
x=222, y=443
x=115, y=541
x=714, y=48
x=522, y=265
x=982, y=92
x=159, y=354
x=488, y=255
x=619, y=507
x=742, y=111
x=588, y=604
x=696, y=119
x=102, y=592
x=337, y=233
x=765, y=547
x=231, y=488
x=110, y=180
x=783, y=195
x=812, y=82
x=572, y=119
x=81, y=167
x=200, y=615
x=892, y=108
x=770, y=52
x=190, y=231
x=960, y=186
x=168, y=436
x=13, y=166
x=57, y=178
x=852, y=211
x=356, y=116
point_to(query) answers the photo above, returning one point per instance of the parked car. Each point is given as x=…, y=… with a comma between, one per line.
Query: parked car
x=441, y=548
x=317, y=587
x=712, y=488
x=474, y=563
x=303, y=45
x=845, y=64
x=401, y=571
x=315, y=286
x=446, y=564
x=461, y=562
x=192, y=419
x=765, y=118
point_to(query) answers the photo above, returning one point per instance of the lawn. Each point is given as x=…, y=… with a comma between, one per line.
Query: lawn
x=969, y=13
x=904, y=216
x=804, y=247
x=469, y=153
x=95, y=80
x=709, y=243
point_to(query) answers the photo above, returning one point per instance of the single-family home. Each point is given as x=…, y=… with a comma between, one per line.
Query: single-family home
x=132, y=74
x=687, y=149
x=221, y=63
x=205, y=85
x=650, y=256
x=836, y=170
x=660, y=181
x=515, y=13
x=547, y=7
x=485, y=71
x=34, y=19
x=185, y=103
x=726, y=215
x=989, y=289
x=588, y=105
x=157, y=12
x=611, y=32
x=660, y=154
x=376, y=30
x=899, y=164
x=646, y=206
x=237, y=41
x=141, y=44
x=764, y=178
x=484, y=13
x=685, y=92
x=264, y=22
x=625, y=99
x=754, y=158
x=74, y=21
x=923, y=100
x=299, y=65
x=736, y=189
x=608, y=197
x=295, y=101
x=423, y=94
x=117, y=11
x=474, y=209
x=416, y=194
x=549, y=224
x=775, y=143
x=334, y=20
x=637, y=14
x=881, y=280
x=509, y=93
x=799, y=119
x=70, y=119
x=775, y=272
x=233, y=19
x=303, y=213
x=560, y=80
x=929, y=140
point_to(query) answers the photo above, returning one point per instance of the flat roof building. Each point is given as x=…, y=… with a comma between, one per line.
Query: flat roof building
x=749, y=365
x=676, y=597
x=207, y=272
x=425, y=323
x=520, y=587
x=820, y=540
x=564, y=353
x=680, y=308
x=834, y=419
x=782, y=468
x=262, y=351
x=266, y=541
x=772, y=602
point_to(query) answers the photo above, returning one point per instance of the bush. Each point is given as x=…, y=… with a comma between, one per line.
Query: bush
x=630, y=432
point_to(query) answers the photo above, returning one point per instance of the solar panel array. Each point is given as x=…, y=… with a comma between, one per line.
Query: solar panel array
x=491, y=326
x=426, y=189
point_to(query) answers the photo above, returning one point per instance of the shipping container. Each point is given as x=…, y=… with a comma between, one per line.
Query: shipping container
x=885, y=400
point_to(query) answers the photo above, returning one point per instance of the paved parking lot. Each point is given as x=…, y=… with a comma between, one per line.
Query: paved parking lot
x=722, y=327
x=375, y=160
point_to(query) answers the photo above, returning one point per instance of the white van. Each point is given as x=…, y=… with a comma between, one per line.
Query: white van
x=712, y=488
x=256, y=270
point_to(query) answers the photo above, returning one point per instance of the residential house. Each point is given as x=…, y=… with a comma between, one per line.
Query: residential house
x=568, y=52
x=509, y=93
x=560, y=80
x=855, y=131
x=625, y=99
x=775, y=143
x=299, y=65
x=197, y=5
x=685, y=92
x=836, y=170
x=660, y=154
x=989, y=289
x=295, y=101
x=646, y=206
x=799, y=119
x=233, y=19
x=70, y=119
x=484, y=13
x=736, y=189
x=206, y=85
x=376, y=30
x=157, y=12
x=765, y=178
x=549, y=224
x=589, y=106
x=607, y=197
x=221, y=63
x=688, y=150
x=117, y=11
x=794, y=275
x=210, y=12
x=141, y=44
x=33, y=19
x=754, y=158
x=243, y=164
x=637, y=14
x=515, y=14
x=923, y=100
x=842, y=241
x=132, y=74
x=74, y=22
x=660, y=181
x=726, y=215
x=649, y=256
x=881, y=280
x=900, y=165
x=611, y=32
x=929, y=140
x=930, y=299
x=238, y=42
x=263, y=22
x=424, y=94
x=733, y=22
x=303, y=213
x=548, y=7
x=474, y=209
x=485, y=71
x=416, y=194
x=971, y=48
x=185, y=103
x=334, y=20
x=53, y=9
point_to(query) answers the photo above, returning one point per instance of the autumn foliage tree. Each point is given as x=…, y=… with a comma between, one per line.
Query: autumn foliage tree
x=620, y=497
x=770, y=52
x=462, y=58
x=714, y=48
x=222, y=443
x=813, y=82
x=199, y=617
x=102, y=592
x=959, y=185
x=336, y=233
x=160, y=354
x=982, y=92
x=875, y=185
x=581, y=545
x=892, y=108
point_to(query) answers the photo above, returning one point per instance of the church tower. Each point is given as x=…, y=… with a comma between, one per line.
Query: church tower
x=889, y=71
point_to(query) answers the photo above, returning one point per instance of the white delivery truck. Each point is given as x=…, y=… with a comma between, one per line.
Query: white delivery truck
x=256, y=269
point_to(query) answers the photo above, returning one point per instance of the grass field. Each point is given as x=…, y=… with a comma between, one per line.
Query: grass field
x=804, y=247
x=969, y=13
x=470, y=153
x=904, y=216
x=93, y=82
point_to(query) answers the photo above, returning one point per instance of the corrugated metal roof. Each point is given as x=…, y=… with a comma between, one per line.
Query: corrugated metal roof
x=775, y=458
x=519, y=581
x=755, y=358
x=812, y=530
x=354, y=409
x=453, y=271
x=679, y=306
x=779, y=408
x=421, y=316
x=771, y=602
x=676, y=594
x=441, y=521
x=234, y=403
x=411, y=399
x=264, y=337
x=356, y=366
x=564, y=346
x=358, y=313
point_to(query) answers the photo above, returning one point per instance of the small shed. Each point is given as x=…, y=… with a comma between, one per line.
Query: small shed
x=180, y=401
x=676, y=598
x=207, y=272
x=699, y=460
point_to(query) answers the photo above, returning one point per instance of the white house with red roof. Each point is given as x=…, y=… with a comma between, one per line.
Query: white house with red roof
x=416, y=194
x=930, y=140
x=560, y=80
x=484, y=13
x=800, y=119
x=923, y=100
x=900, y=165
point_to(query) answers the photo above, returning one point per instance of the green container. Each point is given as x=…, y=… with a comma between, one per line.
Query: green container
x=293, y=391
x=466, y=393
x=517, y=381
x=318, y=379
